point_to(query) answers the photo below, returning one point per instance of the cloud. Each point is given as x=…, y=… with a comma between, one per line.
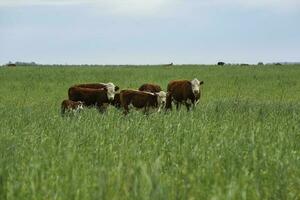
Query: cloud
x=252, y=3
x=110, y=6
x=145, y=7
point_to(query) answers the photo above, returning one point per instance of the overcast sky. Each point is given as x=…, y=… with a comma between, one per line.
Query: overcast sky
x=149, y=31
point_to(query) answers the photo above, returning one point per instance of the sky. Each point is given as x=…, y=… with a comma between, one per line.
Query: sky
x=149, y=31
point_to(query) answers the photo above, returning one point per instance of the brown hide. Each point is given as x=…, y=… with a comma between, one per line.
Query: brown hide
x=89, y=96
x=93, y=85
x=138, y=99
x=149, y=87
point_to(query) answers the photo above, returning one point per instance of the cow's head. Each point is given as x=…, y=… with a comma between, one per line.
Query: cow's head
x=161, y=98
x=80, y=105
x=110, y=90
x=116, y=88
x=196, y=86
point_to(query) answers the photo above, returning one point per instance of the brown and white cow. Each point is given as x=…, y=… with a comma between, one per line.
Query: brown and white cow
x=69, y=106
x=183, y=92
x=97, y=85
x=92, y=97
x=114, y=102
x=150, y=87
x=142, y=100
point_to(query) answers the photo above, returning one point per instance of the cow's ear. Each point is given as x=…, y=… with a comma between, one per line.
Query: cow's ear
x=105, y=89
x=201, y=82
x=117, y=88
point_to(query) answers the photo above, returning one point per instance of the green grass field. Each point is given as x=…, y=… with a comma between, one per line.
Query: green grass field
x=241, y=142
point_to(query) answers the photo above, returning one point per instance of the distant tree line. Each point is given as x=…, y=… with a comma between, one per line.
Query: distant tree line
x=11, y=64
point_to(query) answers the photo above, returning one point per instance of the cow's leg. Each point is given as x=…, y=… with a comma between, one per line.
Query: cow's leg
x=126, y=109
x=159, y=109
x=194, y=103
x=146, y=110
x=100, y=107
x=169, y=101
x=177, y=105
x=188, y=104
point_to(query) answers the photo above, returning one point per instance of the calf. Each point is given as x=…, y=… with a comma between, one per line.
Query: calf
x=183, y=92
x=148, y=87
x=140, y=99
x=92, y=97
x=71, y=106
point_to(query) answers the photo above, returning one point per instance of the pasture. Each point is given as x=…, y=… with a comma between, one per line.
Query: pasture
x=241, y=142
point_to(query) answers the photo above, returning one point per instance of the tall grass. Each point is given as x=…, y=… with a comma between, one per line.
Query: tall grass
x=241, y=142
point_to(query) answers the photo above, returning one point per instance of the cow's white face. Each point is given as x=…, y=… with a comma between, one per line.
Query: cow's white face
x=161, y=98
x=110, y=91
x=195, y=86
x=80, y=106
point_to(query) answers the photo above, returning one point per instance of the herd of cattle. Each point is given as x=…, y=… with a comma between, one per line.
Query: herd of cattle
x=100, y=95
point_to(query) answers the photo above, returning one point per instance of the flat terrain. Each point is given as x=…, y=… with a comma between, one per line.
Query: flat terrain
x=241, y=142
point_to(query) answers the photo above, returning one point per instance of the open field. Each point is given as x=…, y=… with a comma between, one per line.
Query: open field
x=241, y=142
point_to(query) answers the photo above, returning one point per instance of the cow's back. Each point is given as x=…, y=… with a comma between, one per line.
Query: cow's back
x=150, y=88
x=90, y=85
x=138, y=99
x=87, y=95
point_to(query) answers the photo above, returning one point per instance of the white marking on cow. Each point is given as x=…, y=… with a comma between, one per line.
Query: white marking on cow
x=110, y=90
x=188, y=101
x=130, y=106
x=146, y=92
x=195, y=86
x=78, y=108
x=161, y=99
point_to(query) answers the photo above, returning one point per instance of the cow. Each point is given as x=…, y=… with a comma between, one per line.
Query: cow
x=183, y=92
x=69, y=106
x=11, y=65
x=149, y=87
x=97, y=85
x=221, y=63
x=92, y=97
x=142, y=100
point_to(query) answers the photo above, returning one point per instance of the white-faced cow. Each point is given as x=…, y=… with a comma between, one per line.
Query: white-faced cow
x=142, y=100
x=92, y=97
x=183, y=92
x=115, y=102
x=69, y=106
